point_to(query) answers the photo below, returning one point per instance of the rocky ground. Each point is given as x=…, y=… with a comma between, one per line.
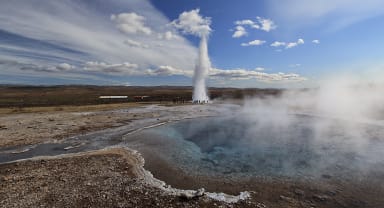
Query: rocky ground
x=106, y=178
x=37, y=127
x=116, y=178
x=43, y=125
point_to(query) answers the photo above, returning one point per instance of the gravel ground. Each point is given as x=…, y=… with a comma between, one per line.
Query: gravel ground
x=106, y=178
x=33, y=128
x=113, y=178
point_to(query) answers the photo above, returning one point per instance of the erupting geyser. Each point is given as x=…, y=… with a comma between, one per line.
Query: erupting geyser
x=201, y=72
x=192, y=23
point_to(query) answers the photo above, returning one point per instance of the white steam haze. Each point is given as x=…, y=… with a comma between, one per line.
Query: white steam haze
x=342, y=121
x=201, y=71
x=335, y=131
x=193, y=23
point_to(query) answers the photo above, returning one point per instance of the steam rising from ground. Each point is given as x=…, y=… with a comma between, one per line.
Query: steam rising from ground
x=201, y=71
x=348, y=118
x=350, y=99
x=193, y=23
x=335, y=131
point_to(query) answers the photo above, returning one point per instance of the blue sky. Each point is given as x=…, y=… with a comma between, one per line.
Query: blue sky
x=133, y=42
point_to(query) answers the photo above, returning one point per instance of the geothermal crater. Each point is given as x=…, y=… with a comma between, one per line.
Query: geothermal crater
x=241, y=147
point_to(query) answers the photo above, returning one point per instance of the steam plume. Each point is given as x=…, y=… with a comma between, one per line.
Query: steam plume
x=193, y=23
x=201, y=71
x=346, y=113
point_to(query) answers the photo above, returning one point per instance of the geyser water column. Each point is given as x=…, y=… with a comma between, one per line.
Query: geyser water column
x=192, y=22
x=201, y=72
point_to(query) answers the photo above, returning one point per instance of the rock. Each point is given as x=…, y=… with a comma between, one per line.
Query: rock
x=68, y=148
x=326, y=176
x=229, y=198
x=261, y=205
x=200, y=192
x=331, y=193
x=192, y=194
x=320, y=197
x=299, y=192
x=287, y=199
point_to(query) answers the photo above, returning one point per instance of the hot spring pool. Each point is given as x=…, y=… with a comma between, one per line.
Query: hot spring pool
x=243, y=146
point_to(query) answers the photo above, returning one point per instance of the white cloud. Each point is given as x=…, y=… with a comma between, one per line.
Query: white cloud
x=239, y=32
x=169, y=71
x=134, y=69
x=316, y=41
x=131, y=23
x=300, y=41
x=331, y=14
x=30, y=73
x=278, y=44
x=247, y=22
x=137, y=44
x=214, y=73
x=192, y=22
x=260, y=24
x=64, y=67
x=125, y=68
x=254, y=43
x=294, y=44
x=79, y=33
x=287, y=45
x=291, y=45
x=243, y=74
x=266, y=24
x=168, y=36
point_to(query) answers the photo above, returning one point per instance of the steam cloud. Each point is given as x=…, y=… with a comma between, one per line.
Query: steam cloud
x=201, y=72
x=345, y=122
x=335, y=130
x=193, y=23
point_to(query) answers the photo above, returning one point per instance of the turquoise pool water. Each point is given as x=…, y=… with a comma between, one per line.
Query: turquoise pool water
x=242, y=146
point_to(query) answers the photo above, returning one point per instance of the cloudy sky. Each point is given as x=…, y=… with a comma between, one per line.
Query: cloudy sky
x=265, y=43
